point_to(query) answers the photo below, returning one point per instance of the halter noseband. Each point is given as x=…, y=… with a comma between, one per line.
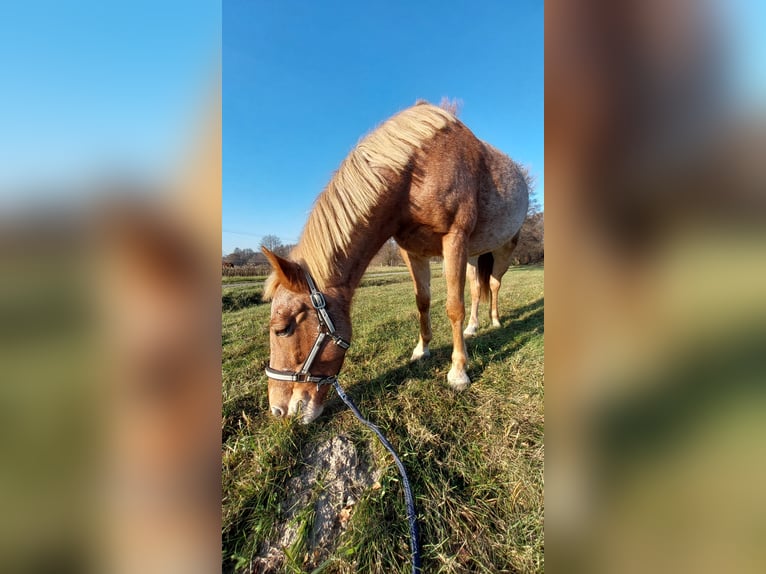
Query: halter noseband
x=326, y=329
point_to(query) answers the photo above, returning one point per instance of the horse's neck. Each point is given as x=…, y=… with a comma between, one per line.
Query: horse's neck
x=343, y=265
x=349, y=268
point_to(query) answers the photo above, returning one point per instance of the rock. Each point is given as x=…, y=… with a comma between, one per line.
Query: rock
x=334, y=477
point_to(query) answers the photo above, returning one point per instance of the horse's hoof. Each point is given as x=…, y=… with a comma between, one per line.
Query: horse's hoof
x=458, y=380
x=495, y=323
x=470, y=331
x=418, y=354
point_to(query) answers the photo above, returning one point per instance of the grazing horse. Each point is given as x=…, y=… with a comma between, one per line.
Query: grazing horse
x=421, y=177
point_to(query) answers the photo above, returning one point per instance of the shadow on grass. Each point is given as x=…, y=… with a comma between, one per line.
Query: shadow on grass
x=519, y=326
x=499, y=344
x=493, y=344
x=435, y=471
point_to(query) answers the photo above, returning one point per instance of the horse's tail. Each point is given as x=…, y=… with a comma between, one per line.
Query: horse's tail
x=484, y=268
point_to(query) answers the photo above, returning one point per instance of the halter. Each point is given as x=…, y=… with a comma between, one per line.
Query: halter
x=326, y=329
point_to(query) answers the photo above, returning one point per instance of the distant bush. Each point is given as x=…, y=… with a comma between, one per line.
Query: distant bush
x=531, y=246
x=235, y=299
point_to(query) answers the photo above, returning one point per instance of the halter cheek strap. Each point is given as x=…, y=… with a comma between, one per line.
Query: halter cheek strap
x=326, y=330
x=319, y=303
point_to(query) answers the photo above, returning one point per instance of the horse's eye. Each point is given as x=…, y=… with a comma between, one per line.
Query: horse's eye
x=286, y=331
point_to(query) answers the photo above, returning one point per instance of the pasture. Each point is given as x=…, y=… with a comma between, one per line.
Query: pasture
x=326, y=497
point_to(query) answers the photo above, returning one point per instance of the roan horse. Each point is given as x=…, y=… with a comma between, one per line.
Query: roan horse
x=423, y=178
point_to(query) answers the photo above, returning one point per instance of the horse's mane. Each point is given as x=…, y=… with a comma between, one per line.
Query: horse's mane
x=354, y=191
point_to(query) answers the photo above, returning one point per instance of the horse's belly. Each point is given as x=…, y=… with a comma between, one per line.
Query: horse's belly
x=420, y=241
x=488, y=237
x=426, y=242
x=501, y=209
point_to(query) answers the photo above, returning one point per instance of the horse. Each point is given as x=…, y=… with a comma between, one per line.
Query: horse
x=423, y=178
x=485, y=273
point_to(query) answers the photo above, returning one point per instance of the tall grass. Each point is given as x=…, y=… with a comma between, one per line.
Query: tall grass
x=475, y=458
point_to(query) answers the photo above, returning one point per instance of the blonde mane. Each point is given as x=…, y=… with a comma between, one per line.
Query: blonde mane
x=354, y=191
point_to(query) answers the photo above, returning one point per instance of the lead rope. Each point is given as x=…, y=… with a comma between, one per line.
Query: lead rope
x=412, y=516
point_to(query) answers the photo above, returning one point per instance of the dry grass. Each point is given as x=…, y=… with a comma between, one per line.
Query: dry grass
x=475, y=459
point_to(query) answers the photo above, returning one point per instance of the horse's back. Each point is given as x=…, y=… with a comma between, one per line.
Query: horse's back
x=440, y=193
x=461, y=184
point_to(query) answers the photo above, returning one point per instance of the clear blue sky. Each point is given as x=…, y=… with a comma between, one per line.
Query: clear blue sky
x=93, y=86
x=303, y=81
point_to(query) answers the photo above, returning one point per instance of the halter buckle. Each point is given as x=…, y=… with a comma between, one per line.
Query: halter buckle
x=317, y=300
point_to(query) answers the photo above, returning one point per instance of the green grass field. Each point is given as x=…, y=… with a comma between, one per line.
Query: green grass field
x=242, y=279
x=475, y=459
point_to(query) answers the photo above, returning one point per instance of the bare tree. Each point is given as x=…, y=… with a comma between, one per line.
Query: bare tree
x=271, y=242
x=534, y=206
x=531, y=246
x=285, y=250
x=236, y=257
x=388, y=255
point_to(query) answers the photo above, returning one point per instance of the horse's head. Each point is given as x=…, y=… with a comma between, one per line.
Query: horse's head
x=304, y=348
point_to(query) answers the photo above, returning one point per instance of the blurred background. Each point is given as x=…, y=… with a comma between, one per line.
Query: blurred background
x=110, y=242
x=110, y=151
x=655, y=274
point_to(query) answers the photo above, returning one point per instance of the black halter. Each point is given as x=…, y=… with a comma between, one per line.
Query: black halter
x=326, y=329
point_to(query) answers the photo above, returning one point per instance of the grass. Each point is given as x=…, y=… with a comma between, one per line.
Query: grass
x=371, y=270
x=475, y=458
x=386, y=268
x=226, y=279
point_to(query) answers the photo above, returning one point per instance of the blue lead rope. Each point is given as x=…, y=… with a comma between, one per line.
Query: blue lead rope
x=412, y=516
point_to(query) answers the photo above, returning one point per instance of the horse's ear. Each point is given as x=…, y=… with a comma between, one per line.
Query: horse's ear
x=289, y=274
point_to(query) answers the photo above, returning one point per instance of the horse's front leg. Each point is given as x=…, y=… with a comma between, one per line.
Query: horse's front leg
x=454, y=247
x=420, y=270
x=473, y=280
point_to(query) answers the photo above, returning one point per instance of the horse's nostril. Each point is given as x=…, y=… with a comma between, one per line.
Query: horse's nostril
x=277, y=412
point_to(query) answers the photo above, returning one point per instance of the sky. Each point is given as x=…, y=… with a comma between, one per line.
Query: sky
x=304, y=81
x=91, y=87
x=745, y=21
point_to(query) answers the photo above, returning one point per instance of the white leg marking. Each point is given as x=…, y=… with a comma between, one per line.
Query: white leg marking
x=420, y=352
x=458, y=380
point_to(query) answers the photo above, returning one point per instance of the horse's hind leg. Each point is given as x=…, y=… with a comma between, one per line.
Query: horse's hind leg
x=502, y=262
x=454, y=246
x=473, y=280
x=420, y=271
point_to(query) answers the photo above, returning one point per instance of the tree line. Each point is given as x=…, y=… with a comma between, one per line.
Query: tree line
x=529, y=250
x=248, y=262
